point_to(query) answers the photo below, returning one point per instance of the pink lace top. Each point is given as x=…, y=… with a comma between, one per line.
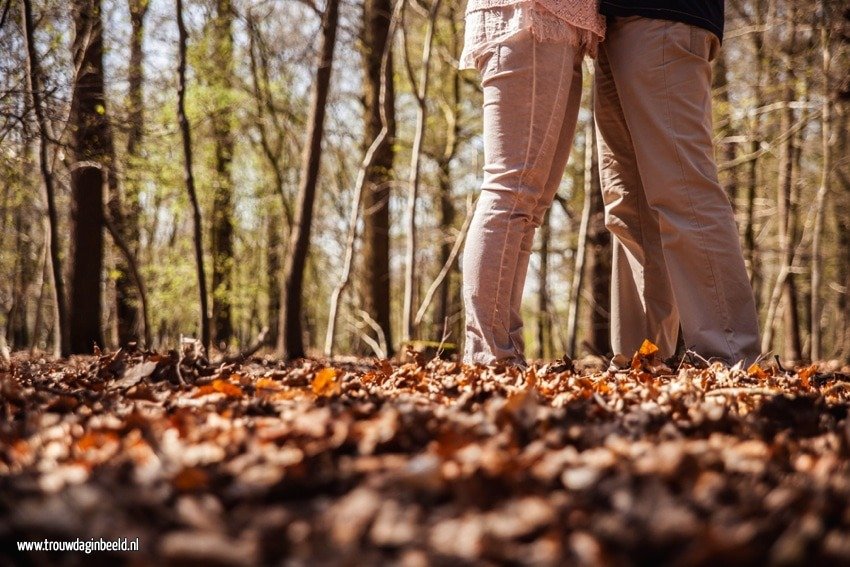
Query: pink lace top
x=492, y=21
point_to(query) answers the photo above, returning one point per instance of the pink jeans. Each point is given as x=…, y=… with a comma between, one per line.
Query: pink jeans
x=532, y=92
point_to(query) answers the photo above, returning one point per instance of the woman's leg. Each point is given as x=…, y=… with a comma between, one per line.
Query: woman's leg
x=527, y=91
x=559, y=163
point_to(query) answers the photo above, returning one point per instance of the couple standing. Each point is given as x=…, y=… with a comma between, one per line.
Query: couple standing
x=677, y=257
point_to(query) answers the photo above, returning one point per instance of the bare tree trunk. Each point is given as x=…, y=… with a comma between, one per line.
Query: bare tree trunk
x=599, y=257
x=44, y=264
x=545, y=347
x=823, y=190
x=727, y=130
x=291, y=342
x=91, y=140
x=273, y=150
x=421, y=93
x=581, y=248
x=446, y=222
x=445, y=309
x=786, y=224
x=378, y=85
x=17, y=328
x=751, y=251
x=61, y=339
x=273, y=289
x=128, y=303
x=842, y=217
x=221, y=78
x=189, y=177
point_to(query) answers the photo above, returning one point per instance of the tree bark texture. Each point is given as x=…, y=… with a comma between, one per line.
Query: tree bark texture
x=291, y=342
x=375, y=271
x=128, y=303
x=189, y=177
x=91, y=143
x=60, y=325
x=221, y=78
x=597, y=316
x=421, y=92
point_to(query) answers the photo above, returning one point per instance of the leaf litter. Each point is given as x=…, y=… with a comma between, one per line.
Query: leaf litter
x=421, y=463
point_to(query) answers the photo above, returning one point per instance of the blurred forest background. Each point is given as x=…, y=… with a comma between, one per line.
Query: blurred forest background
x=217, y=168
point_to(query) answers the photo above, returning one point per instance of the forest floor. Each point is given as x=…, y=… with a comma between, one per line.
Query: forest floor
x=423, y=463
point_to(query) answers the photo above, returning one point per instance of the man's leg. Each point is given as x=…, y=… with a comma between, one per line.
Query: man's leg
x=663, y=76
x=642, y=304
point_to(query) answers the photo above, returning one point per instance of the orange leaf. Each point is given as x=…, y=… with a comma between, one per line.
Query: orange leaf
x=326, y=383
x=96, y=439
x=287, y=395
x=648, y=348
x=226, y=388
x=204, y=390
x=756, y=371
x=805, y=375
x=267, y=384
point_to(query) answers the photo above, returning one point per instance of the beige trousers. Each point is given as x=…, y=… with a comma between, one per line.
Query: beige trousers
x=677, y=255
x=532, y=92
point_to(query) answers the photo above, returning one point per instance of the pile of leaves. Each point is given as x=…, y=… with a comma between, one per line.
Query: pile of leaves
x=424, y=463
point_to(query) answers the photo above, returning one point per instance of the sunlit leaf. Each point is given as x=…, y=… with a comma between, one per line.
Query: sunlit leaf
x=757, y=371
x=326, y=383
x=806, y=374
x=227, y=388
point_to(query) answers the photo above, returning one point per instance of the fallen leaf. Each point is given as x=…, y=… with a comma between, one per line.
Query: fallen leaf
x=648, y=348
x=227, y=388
x=806, y=374
x=135, y=374
x=326, y=383
x=757, y=371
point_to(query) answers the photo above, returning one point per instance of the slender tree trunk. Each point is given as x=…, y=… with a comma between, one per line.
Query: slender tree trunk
x=273, y=289
x=727, y=131
x=544, y=317
x=279, y=163
x=446, y=222
x=841, y=210
x=61, y=339
x=584, y=228
x=785, y=214
x=291, y=342
x=823, y=190
x=421, y=91
x=44, y=265
x=128, y=304
x=751, y=251
x=91, y=140
x=376, y=290
x=189, y=177
x=221, y=78
x=598, y=266
x=446, y=305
